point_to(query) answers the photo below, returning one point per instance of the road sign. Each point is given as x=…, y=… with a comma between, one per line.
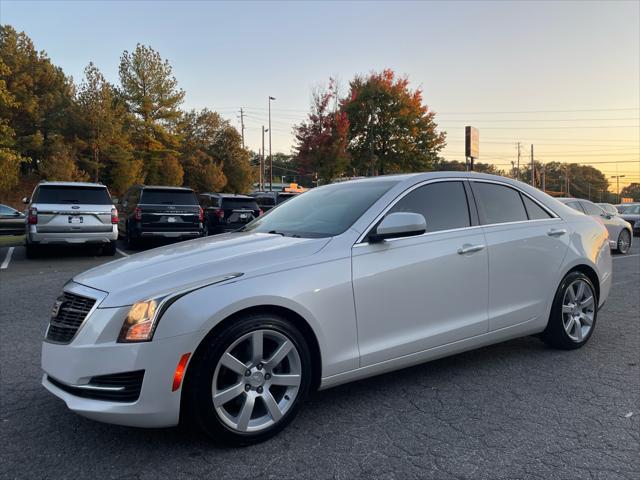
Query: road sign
x=471, y=142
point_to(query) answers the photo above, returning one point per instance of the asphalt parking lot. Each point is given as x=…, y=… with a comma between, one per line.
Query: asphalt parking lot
x=515, y=410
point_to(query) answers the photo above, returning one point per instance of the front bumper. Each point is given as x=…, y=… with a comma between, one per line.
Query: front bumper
x=71, y=238
x=94, y=352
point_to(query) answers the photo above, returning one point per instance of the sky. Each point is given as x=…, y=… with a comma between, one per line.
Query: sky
x=563, y=76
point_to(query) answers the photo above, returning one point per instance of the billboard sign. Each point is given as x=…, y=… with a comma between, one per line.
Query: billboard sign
x=471, y=142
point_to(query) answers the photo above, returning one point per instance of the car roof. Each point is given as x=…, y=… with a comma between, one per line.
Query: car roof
x=227, y=195
x=165, y=187
x=71, y=184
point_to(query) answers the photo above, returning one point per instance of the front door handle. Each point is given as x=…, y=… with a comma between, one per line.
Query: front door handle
x=556, y=232
x=467, y=248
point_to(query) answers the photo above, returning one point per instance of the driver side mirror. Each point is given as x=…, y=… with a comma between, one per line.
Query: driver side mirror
x=26, y=200
x=399, y=224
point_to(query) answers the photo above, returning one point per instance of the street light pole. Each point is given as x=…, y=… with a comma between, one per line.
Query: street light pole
x=618, y=177
x=262, y=161
x=270, y=156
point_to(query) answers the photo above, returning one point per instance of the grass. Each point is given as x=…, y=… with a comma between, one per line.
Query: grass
x=11, y=240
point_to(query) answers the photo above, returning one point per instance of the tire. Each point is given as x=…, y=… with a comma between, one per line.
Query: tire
x=205, y=230
x=32, y=251
x=132, y=242
x=272, y=406
x=573, y=314
x=624, y=242
x=109, y=249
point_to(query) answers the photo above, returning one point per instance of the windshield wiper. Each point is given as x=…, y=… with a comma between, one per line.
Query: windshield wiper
x=276, y=233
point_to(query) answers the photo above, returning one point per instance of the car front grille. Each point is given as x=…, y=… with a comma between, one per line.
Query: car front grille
x=72, y=309
x=116, y=387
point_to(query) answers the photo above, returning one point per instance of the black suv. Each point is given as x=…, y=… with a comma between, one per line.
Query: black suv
x=268, y=200
x=225, y=212
x=147, y=212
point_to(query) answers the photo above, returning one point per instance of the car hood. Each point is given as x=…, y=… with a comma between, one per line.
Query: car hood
x=195, y=263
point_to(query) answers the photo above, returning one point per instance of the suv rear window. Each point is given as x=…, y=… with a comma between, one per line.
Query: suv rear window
x=264, y=200
x=239, y=203
x=163, y=196
x=72, y=194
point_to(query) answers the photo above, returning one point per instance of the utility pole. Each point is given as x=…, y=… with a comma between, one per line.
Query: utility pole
x=518, y=167
x=270, y=156
x=533, y=169
x=262, y=162
x=242, y=125
x=589, y=190
x=618, y=177
x=567, y=181
x=544, y=181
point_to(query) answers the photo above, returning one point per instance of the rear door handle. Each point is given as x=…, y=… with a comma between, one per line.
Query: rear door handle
x=556, y=232
x=467, y=248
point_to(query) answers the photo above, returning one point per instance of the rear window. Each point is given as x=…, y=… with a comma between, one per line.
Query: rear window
x=500, y=204
x=283, y=197
x=162, y=196
x=72, y=194
x=267, y=201
x=239, y=203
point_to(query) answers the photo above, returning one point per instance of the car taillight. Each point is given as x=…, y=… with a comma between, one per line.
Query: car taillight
x=218, y=212
x=114, y=216
x=33, y=216
x=201, y=214
x=137, y=213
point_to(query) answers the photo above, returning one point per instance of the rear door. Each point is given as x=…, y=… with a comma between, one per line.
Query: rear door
x=169, y=211
x=419, y=292
x=73, y=209
x=527, y=244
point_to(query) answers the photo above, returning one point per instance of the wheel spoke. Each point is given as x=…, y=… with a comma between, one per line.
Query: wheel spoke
x=569, y=325
x=580, y=292
x=233, y=364
x=578, y=326
x=279, y=355
x=228, y=394
x=245, y=413
x=289, y=380
x=572, y=294
x=585, y=319
x=567, y=308
x=587, y=302
x=256, y=346
x=272, y=406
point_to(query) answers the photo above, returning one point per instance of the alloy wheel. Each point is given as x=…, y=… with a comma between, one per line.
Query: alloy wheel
x=256, y=380
x=578, y=310
x=624, y=242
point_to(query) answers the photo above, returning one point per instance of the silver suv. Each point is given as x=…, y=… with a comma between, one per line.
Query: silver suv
x=71, y=213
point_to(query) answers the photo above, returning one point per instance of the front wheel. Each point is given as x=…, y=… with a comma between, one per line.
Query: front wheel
x=248, y=381
x=624, y=242
x=573, y=314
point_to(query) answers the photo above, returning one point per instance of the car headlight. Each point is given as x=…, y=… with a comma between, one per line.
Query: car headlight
x=141, y=321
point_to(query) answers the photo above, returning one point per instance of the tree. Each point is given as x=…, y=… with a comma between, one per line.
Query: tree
x=321, y=141
x=59, y=163
x=584, y=181
x=152, y=94
x=100, y=122
x=40, y=92
x=456, y=166
x=631, y=191
x=390, y=130
x=235, y=160
x=10, y=159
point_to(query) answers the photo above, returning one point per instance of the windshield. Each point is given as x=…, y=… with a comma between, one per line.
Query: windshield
x=165, y=196
x=321, y=212
x=72, y=194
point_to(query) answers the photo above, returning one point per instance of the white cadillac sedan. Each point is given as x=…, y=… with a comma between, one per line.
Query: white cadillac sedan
x=344, y=282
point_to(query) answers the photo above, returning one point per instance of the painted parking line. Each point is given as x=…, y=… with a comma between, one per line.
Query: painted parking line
x=7, y=258
x=122, y=253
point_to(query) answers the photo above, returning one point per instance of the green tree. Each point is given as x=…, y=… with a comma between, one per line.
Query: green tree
x=631, y=191
x=390, y=130
x=456, y=166
x=10, y=159
x=152, y=94
x=59, y=163
x=41, y=95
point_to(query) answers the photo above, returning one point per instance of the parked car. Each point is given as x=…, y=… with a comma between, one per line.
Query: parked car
x=620, y=231
x=12, y=222
x=226, y=212
x=70, y=213
x=632, y=215
x=344, y=282
x=607, y=207
x=152, y=212
x=268, y=200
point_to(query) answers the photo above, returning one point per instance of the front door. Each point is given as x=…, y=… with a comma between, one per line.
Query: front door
x=416, y=293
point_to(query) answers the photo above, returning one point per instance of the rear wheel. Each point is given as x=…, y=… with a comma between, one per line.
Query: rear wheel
x=132, y=242
x=249, y=380
x=624, y=242
x=33, y=251
x=574, y=313
x=109, y=249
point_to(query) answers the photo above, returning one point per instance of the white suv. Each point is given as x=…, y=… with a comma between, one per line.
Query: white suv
x=71, y=213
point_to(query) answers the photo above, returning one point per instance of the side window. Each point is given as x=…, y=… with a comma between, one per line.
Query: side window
x=576, y=206
x=443, y=205
x=534, y=211
x=591, y=209
x=500, y=204
x=6, y=210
